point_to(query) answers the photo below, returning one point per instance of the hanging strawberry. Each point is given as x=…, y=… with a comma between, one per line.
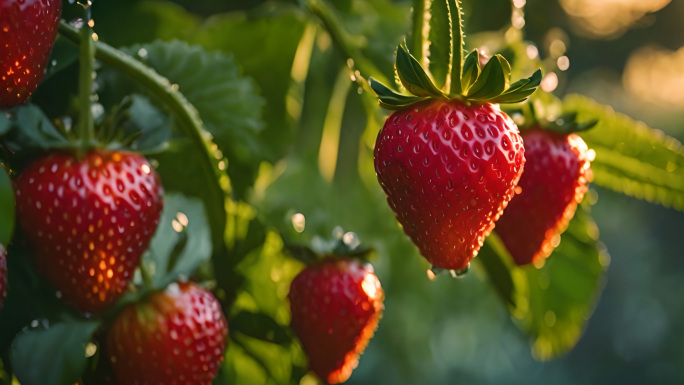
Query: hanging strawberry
x=336, y=304
x=448, y=158
x=90, y=206
x=555, y=179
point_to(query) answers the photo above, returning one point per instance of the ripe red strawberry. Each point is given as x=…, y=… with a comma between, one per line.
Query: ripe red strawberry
x=89, y=221
x=553, y=183
x=3, y=274
x=448, y=171
x=336, y=305
x=448, y=158
x=27, y=31
x=176, y=336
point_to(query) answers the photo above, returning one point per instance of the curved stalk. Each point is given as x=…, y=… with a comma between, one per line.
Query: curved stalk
x=86, y=126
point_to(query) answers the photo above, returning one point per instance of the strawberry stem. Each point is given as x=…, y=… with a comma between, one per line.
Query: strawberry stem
x=86, y=127
x=456, y=47
x=420, y=27
x=145, y=273
x=349, y=45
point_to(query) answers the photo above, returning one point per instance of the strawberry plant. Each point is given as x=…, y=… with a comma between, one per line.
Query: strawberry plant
x=185, y=186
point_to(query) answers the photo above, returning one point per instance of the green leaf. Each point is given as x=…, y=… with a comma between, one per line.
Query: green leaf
x=439, y=42
x=413, y=76
x=26, y=296
x=53, y=354
x=259, y=326
x=32, y=129
x=5, y=123
x=7, y=204
x=471, y=69
x=182, y=240
x=631, y=158
x=520, y=90
x=492, y=81
x=255, y=361
x=228, y=102
x=552, y=304
x=279, y=32
x=390, y=99
x=153, y=125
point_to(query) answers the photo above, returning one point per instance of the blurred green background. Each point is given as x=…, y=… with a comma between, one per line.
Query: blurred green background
x=313, y=156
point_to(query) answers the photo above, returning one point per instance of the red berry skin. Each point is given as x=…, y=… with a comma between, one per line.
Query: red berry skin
x=448, y=171
x=336, y=306
x=553, y=183
x=176, y=337
x=3, y=275
x=89, y=221
x=28, y=29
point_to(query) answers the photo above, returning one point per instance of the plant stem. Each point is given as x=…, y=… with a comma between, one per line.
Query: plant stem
x=347, y=44
x=145, y=273
x=420, y=29
x=86, y=129
x=456, y=46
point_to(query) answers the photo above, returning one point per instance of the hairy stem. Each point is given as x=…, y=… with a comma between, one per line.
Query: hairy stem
x=456, y=46
x=86, y=127
x=420, y=30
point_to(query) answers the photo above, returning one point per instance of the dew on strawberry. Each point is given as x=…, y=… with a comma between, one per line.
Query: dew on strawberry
x=336, y=304
x=448, y=158
x=89, y=221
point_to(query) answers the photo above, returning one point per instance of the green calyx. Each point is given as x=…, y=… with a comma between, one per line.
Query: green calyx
x=341, y=245
x=467, y=81
x=567, y=124
x=543, y=112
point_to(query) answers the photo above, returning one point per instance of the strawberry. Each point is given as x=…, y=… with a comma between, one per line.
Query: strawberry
x=448, y=158
x=176, y=336
x=553, y=183
x=3, y=274
x=89, y=221
x=336, y=305
x=27, y=32
x=448, y=170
